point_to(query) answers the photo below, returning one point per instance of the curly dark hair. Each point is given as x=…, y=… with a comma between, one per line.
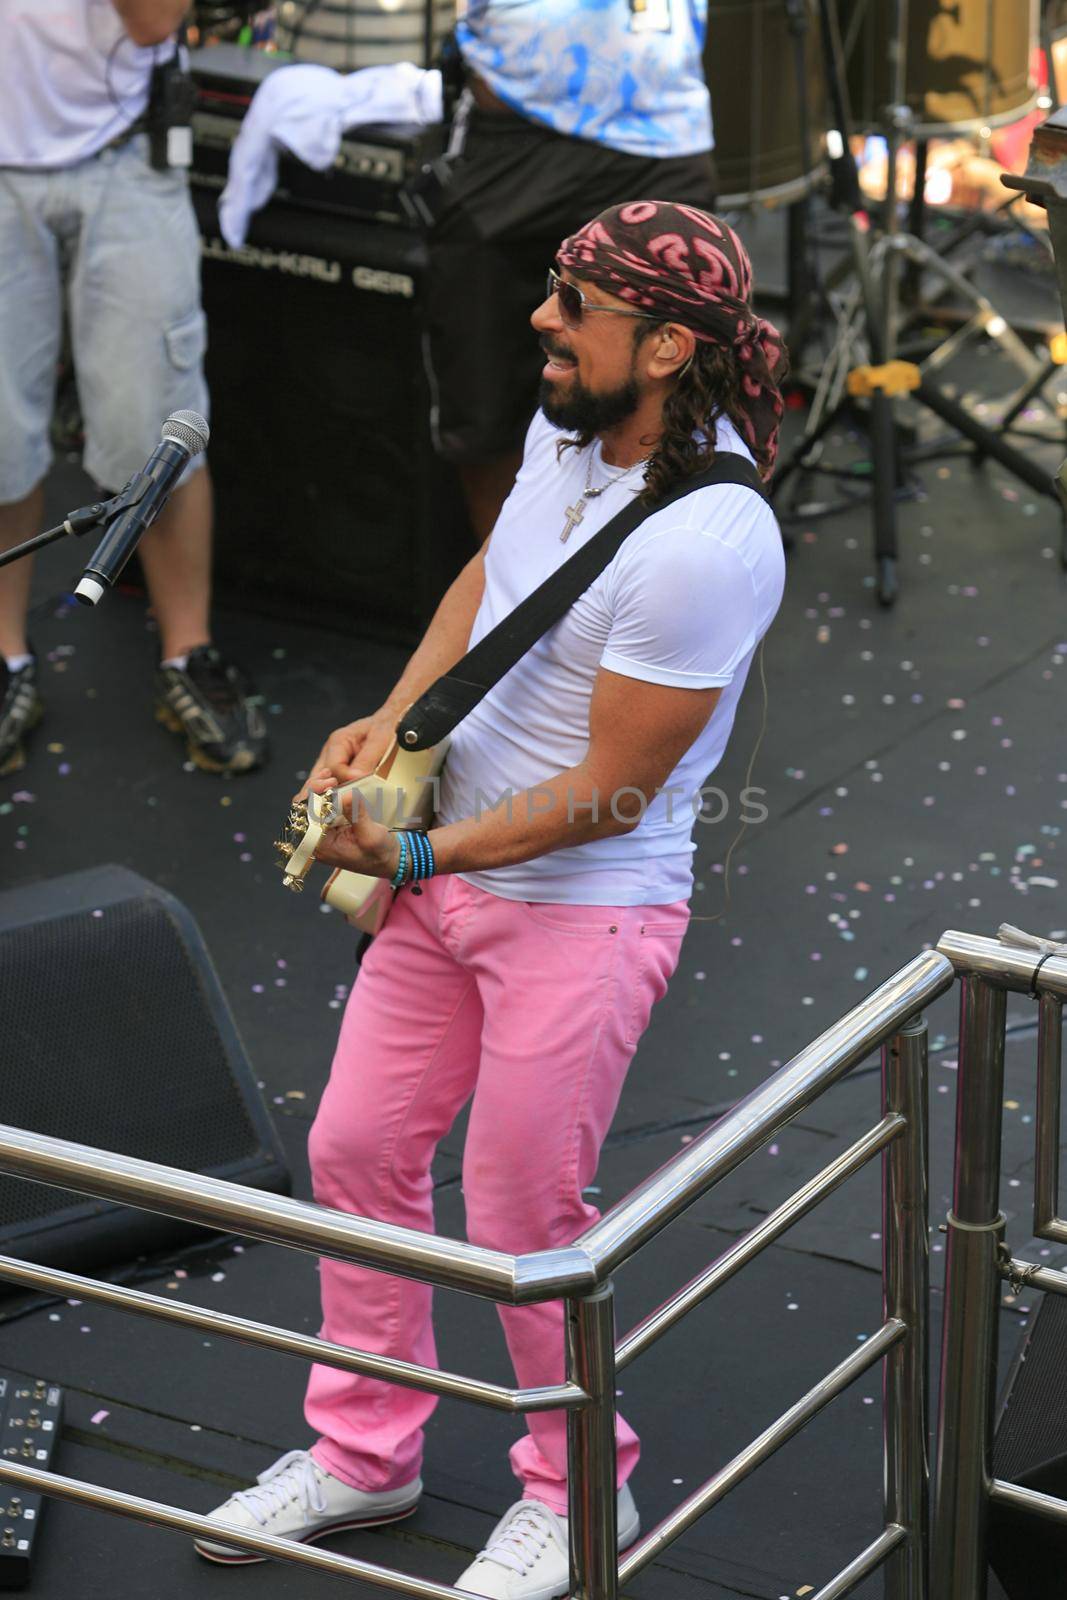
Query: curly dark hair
x=709, y=388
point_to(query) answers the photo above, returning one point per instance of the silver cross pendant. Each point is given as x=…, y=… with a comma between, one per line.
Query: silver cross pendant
x=575, y=514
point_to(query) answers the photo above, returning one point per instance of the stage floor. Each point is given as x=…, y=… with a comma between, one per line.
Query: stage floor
x=912, y=768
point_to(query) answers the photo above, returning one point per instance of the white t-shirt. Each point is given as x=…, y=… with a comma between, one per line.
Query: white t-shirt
x=71, y=80
x=685, y=602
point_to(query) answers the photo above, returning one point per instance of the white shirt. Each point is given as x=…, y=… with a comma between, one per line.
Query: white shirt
x=71, y=80
x=685, y=602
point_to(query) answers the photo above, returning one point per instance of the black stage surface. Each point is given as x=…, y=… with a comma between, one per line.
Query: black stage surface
x=913, y=768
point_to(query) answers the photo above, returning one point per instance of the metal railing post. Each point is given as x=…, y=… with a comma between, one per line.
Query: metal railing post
x=591, y=1494
x=906, y=1291
x=963, y=1476
x=1047, y=1113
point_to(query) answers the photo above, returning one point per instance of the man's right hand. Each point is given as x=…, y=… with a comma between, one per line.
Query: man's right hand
x=351, y=752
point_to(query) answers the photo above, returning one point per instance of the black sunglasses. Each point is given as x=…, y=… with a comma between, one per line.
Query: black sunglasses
x=573, y=303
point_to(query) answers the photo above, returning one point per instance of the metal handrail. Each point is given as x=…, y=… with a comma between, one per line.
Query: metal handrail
x=749, y=1246
x=977, y=1260
x=1005, y=966
x=449, y=1263
x=580, y=1273
x=763, y=1113
x=159, y=1514
x=762, y=1448
x=72, y=1285
x=277, y=1219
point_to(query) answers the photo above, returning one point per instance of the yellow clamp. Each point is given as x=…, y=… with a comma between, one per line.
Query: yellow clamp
x=1057, y=347
x=895, y=377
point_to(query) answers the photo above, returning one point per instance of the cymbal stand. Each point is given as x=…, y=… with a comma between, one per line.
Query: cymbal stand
x=868, y=321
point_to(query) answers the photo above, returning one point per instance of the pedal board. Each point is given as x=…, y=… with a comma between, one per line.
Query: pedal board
x=30, y=1412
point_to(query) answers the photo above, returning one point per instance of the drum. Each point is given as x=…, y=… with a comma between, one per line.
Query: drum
x=749, y=64
x=348, y=34
x=967, y=63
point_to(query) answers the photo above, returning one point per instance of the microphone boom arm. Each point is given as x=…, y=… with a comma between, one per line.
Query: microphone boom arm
x=84, y=520
x=101, y=513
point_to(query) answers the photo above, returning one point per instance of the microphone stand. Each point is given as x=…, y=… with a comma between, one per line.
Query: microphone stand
x=101, y=514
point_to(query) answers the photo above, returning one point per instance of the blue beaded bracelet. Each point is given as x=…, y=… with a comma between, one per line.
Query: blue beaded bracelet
x=424, y=856
x=402, y=865
x=416, y=850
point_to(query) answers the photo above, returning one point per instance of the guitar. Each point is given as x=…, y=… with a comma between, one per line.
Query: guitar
x=400, y=793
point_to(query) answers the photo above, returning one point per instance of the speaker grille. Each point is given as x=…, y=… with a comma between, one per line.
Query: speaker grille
x=1033, y=1425
x=111, y=1042
x=331, y=505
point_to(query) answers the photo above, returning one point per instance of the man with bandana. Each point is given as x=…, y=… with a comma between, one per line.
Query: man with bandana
x=555, y=880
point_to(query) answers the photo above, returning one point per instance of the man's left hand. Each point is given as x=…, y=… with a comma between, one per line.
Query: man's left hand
x=363, y=845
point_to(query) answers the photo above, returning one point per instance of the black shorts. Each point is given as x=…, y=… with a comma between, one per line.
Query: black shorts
x=518, y=191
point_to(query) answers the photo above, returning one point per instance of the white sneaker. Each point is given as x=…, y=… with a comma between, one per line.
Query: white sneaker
x=527, y=1557
x=297, y=1499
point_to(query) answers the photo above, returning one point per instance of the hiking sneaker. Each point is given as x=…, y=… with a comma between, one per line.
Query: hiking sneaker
x=527, y=1557
x=297, y=1499
x=212, y=703
x=20, y=710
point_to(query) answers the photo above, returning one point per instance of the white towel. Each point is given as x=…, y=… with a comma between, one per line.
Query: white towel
x=305, y=110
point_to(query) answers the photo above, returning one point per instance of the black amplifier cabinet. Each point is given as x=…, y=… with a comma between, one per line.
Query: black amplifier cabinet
x=331, y=505
x=374, y=165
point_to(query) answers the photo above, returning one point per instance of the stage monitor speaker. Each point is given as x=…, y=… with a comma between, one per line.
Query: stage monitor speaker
x=332, y=507
x=117, y=1035
x=1028, y=1553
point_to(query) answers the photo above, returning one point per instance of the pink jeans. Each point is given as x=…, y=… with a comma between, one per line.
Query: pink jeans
x=536, y=1011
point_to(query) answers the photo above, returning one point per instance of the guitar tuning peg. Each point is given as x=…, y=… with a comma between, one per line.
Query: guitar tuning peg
x=284, y=849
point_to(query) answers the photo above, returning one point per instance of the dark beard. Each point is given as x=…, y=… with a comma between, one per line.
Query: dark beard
x=583, y=412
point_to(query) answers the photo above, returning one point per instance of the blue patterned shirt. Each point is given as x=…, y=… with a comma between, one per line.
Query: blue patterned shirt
x=596, y=70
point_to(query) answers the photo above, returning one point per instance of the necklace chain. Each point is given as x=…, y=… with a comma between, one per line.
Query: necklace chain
x=576, y=512
x=589, y=493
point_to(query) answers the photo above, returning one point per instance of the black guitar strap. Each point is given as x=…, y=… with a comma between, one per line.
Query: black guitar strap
x=446, y=702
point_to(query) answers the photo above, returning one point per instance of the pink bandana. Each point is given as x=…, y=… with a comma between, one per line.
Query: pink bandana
x=690, y=267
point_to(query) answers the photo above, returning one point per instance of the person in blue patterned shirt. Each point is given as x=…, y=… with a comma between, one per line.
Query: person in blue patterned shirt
x=569, y=106
x=631, y=85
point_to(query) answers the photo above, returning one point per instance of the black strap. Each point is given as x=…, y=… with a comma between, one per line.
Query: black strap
x=446, y=702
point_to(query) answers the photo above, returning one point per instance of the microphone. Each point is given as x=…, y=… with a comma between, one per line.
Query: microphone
x=185, y=434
